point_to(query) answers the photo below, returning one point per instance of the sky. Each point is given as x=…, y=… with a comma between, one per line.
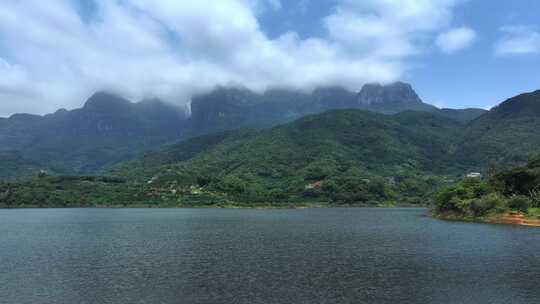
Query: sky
x=456, y=53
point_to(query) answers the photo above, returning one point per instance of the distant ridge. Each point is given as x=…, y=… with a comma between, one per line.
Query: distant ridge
x=231, y=108
x=109, y=128
x=508, y=133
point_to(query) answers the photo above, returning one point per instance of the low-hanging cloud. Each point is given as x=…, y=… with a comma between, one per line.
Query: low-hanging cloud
x=54, y=57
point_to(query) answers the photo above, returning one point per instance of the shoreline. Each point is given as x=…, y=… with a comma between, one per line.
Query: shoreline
x=516, y=219
x=228, y=206
x=508, y=218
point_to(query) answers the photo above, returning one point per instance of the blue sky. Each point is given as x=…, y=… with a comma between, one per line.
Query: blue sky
x=456, y=53
x=474, y=77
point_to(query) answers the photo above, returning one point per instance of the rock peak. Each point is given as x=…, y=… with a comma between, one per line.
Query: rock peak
x=397, y=92
x=106, y=101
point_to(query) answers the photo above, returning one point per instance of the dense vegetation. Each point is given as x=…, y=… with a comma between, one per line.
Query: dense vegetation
x=318, y=158
x=340, y=157
x=109, y=129
x=508, y=134
x=511, y=190
x=321, y=158
x=15, y=165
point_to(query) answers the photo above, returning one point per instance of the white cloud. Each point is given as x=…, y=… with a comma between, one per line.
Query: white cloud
x=518, y=40
x=173, y=49
x=260, y=5
x=456, y=39
x=388, y=28
x=12, y=76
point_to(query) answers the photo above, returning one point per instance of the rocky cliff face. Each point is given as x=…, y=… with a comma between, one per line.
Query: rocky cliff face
x=224, y=109
x=377, y=94
x=221, y=109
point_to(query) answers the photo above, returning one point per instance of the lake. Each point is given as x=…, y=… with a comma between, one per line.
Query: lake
x=262, y=256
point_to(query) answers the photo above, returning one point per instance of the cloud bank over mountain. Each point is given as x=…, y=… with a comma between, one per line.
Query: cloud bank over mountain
x=56, y=53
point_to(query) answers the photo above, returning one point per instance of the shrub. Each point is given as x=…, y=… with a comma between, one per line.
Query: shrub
x=378, y=187
x=330, y=187
x=459, y=197
x=312, y=192
x=535, y=197
x=448, y=198
x=488, y=203
x=520, y=203
x=113, y=180
x=203, y=180
x=534, y=212
x=278, y=194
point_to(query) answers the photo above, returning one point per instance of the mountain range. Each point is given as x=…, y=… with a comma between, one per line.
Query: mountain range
x=106, y=130
x=109, y=129
x=232, y=108
x=343, y=155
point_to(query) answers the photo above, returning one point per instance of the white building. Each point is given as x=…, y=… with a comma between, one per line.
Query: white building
x=474, y=175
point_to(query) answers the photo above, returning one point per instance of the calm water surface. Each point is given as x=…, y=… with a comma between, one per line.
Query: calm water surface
x=262, y=256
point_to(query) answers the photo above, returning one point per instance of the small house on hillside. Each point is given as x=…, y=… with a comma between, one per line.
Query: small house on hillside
x=474, y=175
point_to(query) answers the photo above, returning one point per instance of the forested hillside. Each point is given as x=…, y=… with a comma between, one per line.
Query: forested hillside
x=508, y=134
x=109, y=129
x=337, y=157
